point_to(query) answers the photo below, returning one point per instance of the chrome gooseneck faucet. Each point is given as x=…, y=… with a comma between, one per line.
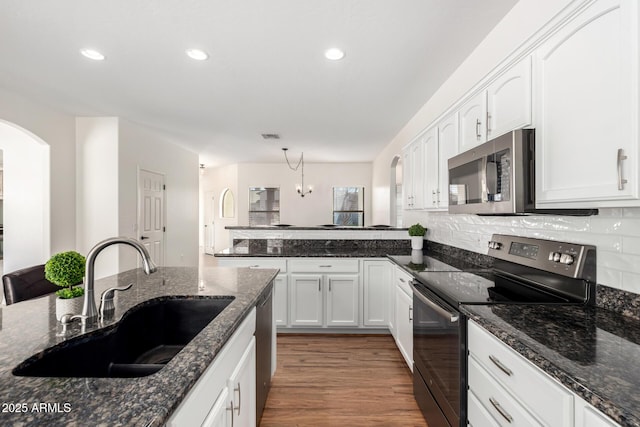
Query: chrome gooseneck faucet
x=89, y=310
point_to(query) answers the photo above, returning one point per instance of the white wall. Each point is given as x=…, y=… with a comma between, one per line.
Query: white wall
x=57, y=130
x=616, y=232
x=26, y=216
x=313, y=209
x=216, y=180
x=143, y=148
x=97, y=188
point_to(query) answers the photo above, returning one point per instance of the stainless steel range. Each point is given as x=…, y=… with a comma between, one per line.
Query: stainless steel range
x=526, y=271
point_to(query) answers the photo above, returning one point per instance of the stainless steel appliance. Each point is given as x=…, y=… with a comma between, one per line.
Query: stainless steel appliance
x=498, y=178
x=526, y=271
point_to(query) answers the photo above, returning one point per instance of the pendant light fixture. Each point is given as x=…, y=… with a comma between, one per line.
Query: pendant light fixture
x=300, y=188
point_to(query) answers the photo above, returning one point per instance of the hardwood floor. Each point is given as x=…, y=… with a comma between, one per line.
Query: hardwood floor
x=340, y=380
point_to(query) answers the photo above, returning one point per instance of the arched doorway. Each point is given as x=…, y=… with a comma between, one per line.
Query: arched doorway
x=26, y=197
x=395, y=192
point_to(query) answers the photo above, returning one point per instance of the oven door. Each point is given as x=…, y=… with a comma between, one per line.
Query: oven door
x=439, y=360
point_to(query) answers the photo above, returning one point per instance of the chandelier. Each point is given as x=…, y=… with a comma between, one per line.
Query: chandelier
x=300, y=188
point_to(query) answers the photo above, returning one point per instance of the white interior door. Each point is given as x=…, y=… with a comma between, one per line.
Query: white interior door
x=209, y=223
x=151, y=213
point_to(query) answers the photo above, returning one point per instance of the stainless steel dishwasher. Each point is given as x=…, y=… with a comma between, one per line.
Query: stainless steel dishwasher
x=264, y=325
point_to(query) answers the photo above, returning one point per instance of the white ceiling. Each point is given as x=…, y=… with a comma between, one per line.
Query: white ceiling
x=266, y=71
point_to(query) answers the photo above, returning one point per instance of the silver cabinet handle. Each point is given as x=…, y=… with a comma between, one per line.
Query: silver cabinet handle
x=410, y=313
x=438, y=196
x=239, y=398
x=325, y=266
x=401, y=279
x=621, y=180
x=488, y=122
x=144, y=237
x=231, y=409
x=433, y=197
x=500, y=365
x=501, y=410
x=255, y=266
x=478, y=124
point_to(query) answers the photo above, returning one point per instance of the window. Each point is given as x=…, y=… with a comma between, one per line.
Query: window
x=227, y=204
x=264, y=206
x=348, y=206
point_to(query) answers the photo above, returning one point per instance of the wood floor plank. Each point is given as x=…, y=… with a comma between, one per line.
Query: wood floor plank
x=340, y=380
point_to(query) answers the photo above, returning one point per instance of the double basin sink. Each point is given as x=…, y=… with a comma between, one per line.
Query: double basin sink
x=146, y=338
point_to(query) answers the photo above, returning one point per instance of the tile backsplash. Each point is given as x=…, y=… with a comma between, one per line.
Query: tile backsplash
x=615, y=232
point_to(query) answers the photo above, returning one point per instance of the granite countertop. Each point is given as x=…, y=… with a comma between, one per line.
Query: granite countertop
x=590, y=350
x=311, y=253
x=29, y=327
x=316, y=227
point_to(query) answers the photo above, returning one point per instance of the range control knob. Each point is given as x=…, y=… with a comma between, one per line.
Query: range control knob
x=554, y=256
x=494, y=244
x=566, y=259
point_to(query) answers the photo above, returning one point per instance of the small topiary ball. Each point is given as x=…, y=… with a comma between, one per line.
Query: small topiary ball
x=65, y=269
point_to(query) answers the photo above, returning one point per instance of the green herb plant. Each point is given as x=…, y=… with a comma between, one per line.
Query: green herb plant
x=417, y=230
x=66, y=270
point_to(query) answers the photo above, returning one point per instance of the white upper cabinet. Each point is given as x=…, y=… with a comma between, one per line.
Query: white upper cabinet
x=430, y=152
x=473, y=124
x=586, y=103
x=412, y=186
x=504, y=105
x=509, y=100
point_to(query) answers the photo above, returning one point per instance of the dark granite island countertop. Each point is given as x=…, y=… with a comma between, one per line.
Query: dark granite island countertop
x=29, y=327
x=592, y=351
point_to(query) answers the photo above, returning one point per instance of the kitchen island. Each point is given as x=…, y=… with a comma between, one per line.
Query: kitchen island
x=30, y=327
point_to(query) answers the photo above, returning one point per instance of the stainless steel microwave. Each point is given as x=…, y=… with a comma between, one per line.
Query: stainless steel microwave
x=498, y=178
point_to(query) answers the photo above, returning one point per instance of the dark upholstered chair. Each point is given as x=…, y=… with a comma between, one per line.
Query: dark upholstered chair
x=26, y=284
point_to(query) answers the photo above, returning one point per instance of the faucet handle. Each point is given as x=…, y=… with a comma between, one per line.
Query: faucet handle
x=68, y=318
x=107, y=307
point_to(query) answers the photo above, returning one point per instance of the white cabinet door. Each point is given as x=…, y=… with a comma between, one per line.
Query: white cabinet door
x=589, y=416
x=376, y=284
x=220, y=414
x=342, y=299
x=404, y=325
x=473, y=125
x=430, y=153
x=447, y=148
x=306, y=299
x=407, y=179
x=509, y=100
x=586, y=79
x=413, y=175
x=242, y=389
x=281, y=300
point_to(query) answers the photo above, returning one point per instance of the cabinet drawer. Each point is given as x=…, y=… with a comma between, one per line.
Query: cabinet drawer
x=323, y=265
x=403, y=281
x=504, y=409
x=542, y=395
x=477, y=414
x=280, y=263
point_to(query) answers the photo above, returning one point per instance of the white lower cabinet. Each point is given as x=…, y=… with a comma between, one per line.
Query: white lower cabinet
x=242, y=388
x=281, y=283
x=376, y=284
x=306, y=299
x=505, y=389
x=227, y=384
x=588, y=416
x=404, y=316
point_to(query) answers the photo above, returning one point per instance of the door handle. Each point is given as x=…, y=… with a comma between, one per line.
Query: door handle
x=143, y=237
x=621, y=180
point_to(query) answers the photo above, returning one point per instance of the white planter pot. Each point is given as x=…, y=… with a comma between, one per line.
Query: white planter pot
x=417, y=242
x=72, y=305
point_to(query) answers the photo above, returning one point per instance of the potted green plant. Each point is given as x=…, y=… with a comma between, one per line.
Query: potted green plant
x=66, y=269
x=417, y=232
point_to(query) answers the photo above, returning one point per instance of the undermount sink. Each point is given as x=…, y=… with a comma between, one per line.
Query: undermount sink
x=141, y=343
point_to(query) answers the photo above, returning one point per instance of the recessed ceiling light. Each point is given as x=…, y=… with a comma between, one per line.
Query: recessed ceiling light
x=92, y=54
x=197, y=54
x=334, y=54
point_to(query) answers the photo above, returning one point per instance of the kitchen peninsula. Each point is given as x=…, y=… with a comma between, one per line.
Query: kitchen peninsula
x=30, y=327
